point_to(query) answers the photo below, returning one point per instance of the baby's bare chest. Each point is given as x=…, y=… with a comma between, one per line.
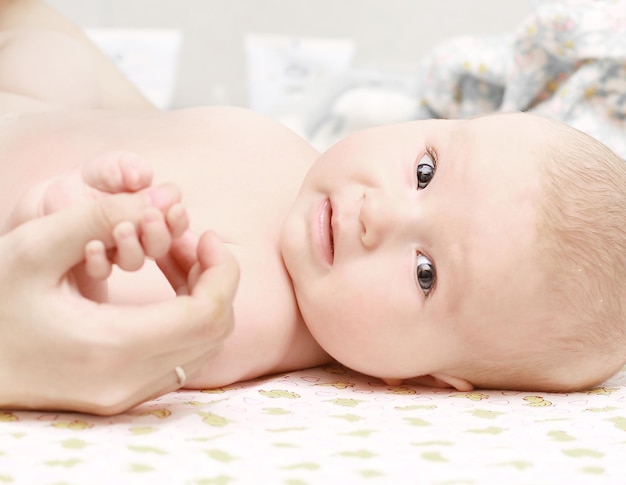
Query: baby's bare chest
x=239, y=173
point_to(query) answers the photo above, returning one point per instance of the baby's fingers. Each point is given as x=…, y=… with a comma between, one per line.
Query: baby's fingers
x=153, y=238
x=129, y=254
x=177, y=220
x=97, y=263
x=118, y=172
x=155, y=234
x=177, y=264
x=131, y=249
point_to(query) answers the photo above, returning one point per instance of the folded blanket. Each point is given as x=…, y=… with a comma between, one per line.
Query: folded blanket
x=567, y=61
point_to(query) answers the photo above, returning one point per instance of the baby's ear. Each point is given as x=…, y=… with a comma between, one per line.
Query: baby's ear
x=457, y=383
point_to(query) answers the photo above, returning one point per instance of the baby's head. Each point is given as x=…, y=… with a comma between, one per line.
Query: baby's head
x=489, y=252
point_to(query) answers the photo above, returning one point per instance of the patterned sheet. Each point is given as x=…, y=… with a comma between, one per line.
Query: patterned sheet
x=328, y=425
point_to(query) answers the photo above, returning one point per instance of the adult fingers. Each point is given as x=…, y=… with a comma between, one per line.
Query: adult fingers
x=153, y=339
x=180, y=370
x=184, y=250
x=64, y=234
x=205, y=315
x=175, y=275
x=119, y=396
x=214, y=256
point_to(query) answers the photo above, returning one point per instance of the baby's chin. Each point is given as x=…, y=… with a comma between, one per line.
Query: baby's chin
x=352, y=356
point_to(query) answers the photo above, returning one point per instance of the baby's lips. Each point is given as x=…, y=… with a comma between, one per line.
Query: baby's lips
x=163, y=196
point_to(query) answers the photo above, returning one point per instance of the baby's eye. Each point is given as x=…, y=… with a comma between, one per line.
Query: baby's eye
x=426, y=169
x=425, y=274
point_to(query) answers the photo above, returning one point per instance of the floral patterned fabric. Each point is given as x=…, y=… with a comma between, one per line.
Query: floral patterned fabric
x=328, y=425
x=566, y=61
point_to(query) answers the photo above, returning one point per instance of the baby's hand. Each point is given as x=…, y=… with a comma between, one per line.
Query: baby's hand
x=129, y=244
x=152, y=238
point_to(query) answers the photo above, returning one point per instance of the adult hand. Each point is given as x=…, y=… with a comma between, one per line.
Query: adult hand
x=61, y=351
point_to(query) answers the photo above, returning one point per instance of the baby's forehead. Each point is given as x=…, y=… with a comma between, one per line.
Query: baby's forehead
x=511, y=142
x=530, y=127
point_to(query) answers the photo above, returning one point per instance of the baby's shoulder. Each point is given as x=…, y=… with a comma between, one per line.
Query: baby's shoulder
x=245, y=126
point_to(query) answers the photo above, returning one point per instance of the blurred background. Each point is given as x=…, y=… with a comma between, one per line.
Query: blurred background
x=287, y=58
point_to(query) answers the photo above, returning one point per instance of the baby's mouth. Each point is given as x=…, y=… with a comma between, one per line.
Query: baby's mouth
x=330, y=232
x=325, y=231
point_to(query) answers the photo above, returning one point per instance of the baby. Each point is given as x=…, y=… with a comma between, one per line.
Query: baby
x=486, y=252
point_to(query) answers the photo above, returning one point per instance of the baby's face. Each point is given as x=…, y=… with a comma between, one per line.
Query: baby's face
x=407, y=240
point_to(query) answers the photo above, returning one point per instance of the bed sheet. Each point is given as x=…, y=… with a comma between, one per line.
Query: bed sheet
x=328, y=425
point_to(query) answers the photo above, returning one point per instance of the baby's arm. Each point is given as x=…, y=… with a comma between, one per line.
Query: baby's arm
x=132, y=245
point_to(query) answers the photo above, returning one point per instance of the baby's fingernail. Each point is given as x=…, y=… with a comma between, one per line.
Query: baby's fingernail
x=124, y=230
x=162, y=196
x=151, y=215
x=176, y=212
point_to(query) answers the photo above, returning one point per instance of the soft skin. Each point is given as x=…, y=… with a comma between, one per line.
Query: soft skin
x=474, y=222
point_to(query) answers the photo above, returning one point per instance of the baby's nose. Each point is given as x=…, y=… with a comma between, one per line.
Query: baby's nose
x=382, y=216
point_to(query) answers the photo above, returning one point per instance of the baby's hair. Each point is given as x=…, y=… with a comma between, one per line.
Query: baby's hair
x=582, y=238
x=581, y=253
